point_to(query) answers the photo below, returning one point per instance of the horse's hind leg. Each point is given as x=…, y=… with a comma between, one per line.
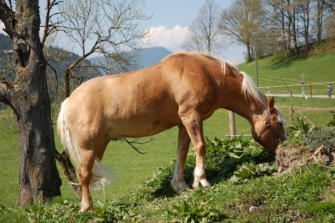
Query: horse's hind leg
x=178, y=181
x=85, y=174
x=193, y=125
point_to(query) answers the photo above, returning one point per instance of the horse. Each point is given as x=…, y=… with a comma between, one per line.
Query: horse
x=182, y=90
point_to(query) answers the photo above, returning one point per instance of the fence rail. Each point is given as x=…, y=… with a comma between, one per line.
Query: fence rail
x=295, y=85
x=312, y=89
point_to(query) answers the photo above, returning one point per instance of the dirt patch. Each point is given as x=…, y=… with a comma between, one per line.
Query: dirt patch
x=296, y=156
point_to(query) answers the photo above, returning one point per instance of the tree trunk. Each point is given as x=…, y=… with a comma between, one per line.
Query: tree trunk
x=320, y=7
x=28, y=97
x=38, y=175
x=283, y=28
x=249, y=51
x=294, y=30
x=67, y=86
x=306, y=24
x=289, y=17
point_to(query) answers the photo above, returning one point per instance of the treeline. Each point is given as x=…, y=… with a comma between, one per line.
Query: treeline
x=266, y=27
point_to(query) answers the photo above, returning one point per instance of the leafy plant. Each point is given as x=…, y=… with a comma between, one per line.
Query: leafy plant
x=194, y=211
x=299, y=127
x=252, y=170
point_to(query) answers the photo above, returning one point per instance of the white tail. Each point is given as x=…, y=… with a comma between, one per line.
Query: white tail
x=101, y=175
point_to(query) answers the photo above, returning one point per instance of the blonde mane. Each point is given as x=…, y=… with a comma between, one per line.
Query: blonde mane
x=249, y=88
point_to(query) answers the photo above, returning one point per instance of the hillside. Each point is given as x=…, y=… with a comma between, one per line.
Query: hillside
x=281, y=69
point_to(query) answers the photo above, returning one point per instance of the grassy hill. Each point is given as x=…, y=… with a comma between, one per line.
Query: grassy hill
x=273, y=70
x=227, y=198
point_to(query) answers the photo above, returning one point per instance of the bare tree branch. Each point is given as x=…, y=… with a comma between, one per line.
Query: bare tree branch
x=204, y=33
x=8, y=18
x=5, y=88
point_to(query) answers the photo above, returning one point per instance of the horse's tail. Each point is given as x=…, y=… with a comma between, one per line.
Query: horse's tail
x=101, y=175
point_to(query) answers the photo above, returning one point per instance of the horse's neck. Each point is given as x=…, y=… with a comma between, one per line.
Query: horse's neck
x=234, y=100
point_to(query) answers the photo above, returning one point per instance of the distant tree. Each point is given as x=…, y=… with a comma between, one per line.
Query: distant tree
x=103, y=27
x=330, y=20
x=204, y=33
x=277, y=29
x=243, y=21
x=39, y=180
x=320, y=16
x=304, y=7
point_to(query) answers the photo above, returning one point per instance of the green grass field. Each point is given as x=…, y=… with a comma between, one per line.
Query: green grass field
x=278, y=70
x=132, y=168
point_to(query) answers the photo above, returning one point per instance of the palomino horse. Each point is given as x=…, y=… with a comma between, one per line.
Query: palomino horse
x=183, y=89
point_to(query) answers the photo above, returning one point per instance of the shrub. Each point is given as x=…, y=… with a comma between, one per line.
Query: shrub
x=325, y=137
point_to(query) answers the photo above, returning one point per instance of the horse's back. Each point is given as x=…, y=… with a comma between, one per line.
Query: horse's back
x=142, y=102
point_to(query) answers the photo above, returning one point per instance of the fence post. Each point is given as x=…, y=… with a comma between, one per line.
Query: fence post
x=232, y=125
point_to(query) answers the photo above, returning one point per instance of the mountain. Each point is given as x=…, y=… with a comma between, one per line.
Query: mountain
x=150, y=56
x=140, y=58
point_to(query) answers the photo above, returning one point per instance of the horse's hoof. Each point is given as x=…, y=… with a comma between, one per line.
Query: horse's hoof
x=85, y=208
x=203, y=182
x=179, y=187
x=183, y=187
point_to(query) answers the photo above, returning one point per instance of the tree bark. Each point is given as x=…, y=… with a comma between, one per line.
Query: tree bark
x=28, y=97
x=249, y=51
x=306, y=23
x=320, y=8
x=282, y=13
x=67, y=86
x=294, y=29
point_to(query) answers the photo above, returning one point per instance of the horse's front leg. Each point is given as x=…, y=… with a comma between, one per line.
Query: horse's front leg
x=178, y=181
x=193, y=125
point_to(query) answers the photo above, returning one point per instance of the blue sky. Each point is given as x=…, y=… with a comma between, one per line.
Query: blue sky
x=168, y=26
x=171, y=19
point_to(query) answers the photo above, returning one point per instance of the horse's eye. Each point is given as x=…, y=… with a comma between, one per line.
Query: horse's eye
x=280, y=124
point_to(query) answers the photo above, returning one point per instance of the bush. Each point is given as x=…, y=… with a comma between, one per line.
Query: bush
x=317, y=138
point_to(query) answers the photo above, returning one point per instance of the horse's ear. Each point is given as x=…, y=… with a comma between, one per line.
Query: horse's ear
x=271, y=104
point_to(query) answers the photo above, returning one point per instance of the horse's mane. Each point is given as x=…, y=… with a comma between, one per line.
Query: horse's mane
x=249, y=88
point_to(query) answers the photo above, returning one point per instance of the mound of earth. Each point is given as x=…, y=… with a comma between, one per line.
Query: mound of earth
x=296, y=156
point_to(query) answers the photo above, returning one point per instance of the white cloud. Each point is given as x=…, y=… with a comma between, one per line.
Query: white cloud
x=2, y=26
x=171, y=39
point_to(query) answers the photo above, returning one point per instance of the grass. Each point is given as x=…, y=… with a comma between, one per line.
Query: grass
x=269, y=194
x=273, y=70
x=298, y=196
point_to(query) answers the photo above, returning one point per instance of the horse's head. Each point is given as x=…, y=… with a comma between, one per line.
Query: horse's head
x=269, y=128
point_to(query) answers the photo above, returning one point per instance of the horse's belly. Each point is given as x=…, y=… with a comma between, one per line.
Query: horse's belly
x=140, y=127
